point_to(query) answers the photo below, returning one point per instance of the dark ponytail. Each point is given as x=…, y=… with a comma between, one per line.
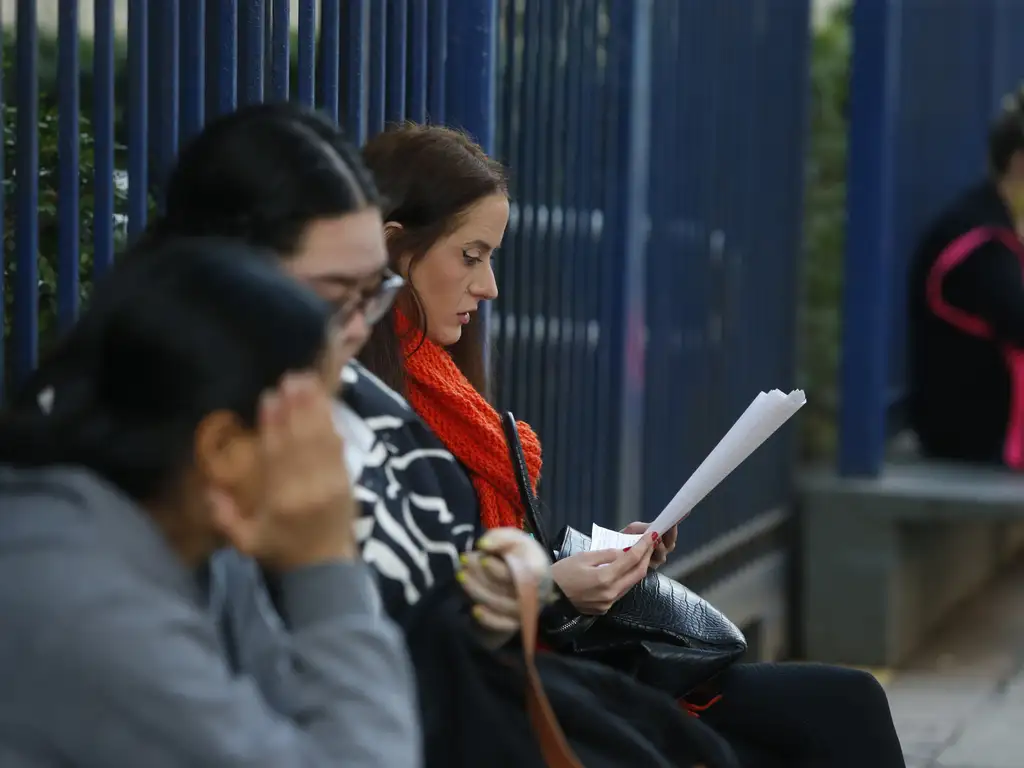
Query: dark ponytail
x=172, y=334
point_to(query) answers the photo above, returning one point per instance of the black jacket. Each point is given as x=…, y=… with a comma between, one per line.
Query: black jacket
x=960, y=384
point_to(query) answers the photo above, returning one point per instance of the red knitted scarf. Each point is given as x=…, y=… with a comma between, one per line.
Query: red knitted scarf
x=468, y=426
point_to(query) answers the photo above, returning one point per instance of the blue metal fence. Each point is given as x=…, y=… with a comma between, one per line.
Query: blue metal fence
x=723, y=261
x=915, y=141
x=648, y=281
x=566, y=131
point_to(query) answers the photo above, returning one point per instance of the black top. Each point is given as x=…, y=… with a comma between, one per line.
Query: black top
x=959, y=383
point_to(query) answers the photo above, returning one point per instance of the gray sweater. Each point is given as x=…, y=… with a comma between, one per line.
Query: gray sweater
x=108, y=658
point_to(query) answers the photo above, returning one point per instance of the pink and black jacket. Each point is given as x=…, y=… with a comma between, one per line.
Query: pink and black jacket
x=966, y=334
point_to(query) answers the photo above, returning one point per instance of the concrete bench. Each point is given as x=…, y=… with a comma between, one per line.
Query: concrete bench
x=884, y=560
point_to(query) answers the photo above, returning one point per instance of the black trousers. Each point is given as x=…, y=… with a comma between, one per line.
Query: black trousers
x=796, y=715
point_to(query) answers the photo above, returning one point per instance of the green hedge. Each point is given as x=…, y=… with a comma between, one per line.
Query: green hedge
x=824, y=232
x=48, y=75
x=49, y=171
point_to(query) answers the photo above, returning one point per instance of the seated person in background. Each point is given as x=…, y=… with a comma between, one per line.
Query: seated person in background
x=966, y=314
x=189, y=409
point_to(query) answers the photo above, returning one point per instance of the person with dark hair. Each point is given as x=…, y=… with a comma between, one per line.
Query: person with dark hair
x=282, y=177
x=966, y=313
x=189, y=408
x=446, y=216
x=266, y=175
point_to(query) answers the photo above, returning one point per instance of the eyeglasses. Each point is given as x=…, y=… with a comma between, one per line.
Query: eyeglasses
x=373, y=303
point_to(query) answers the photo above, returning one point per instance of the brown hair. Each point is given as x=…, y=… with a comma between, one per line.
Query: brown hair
x=428, y=176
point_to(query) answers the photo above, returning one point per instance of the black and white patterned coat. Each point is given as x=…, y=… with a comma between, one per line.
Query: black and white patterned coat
x=419, y=507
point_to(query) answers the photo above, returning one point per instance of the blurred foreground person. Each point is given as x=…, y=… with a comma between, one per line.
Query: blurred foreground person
x=189, y=409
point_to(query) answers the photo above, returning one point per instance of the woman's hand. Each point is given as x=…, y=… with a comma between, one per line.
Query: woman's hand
x=663, y=546
x=488, y=582
x=594, y=581
x=308, y=510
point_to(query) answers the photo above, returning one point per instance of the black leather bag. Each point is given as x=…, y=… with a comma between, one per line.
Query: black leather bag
x=660, y=632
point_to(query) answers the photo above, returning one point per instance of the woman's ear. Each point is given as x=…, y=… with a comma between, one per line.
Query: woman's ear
x=391, y=229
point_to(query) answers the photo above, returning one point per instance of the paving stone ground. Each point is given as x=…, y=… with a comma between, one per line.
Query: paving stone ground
x=960, y=703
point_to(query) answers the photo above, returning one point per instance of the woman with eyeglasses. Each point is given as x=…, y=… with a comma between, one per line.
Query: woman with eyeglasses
x=284, y=178
x=189, y=409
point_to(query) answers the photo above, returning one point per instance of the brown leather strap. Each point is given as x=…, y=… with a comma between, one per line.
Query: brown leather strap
x=553, y=744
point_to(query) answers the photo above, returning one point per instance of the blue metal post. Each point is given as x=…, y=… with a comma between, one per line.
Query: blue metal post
x=252, y=27
x=307, y=52
x=103, y=136
x=67, y=148
x=26, y=233
x=418, y=58
x=164, y=87
x=378, y=48
x=470, y=69
x=632, y=21
x=576, y=267
x=193, y=67
x=222, y=56
x=3, y=255
x=470, y=88
x=357, y=70
x=138, y=125
x=437, y=50
x=329, y=52
x=280, y=49
x=874, y=86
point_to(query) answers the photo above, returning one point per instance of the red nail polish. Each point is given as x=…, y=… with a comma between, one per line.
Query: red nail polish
x=627, y=549
x=655, y=537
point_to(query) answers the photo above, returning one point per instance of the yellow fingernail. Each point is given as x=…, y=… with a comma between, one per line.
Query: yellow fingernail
x=463, y=559
x=483, y=542
x=460, y=576
x=477, y=612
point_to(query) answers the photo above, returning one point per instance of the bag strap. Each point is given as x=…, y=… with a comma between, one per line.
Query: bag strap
x=553, y=744
x=526, y=496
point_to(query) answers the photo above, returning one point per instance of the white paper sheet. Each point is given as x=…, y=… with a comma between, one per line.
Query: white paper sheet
x=767, y=412
x=605, y=538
